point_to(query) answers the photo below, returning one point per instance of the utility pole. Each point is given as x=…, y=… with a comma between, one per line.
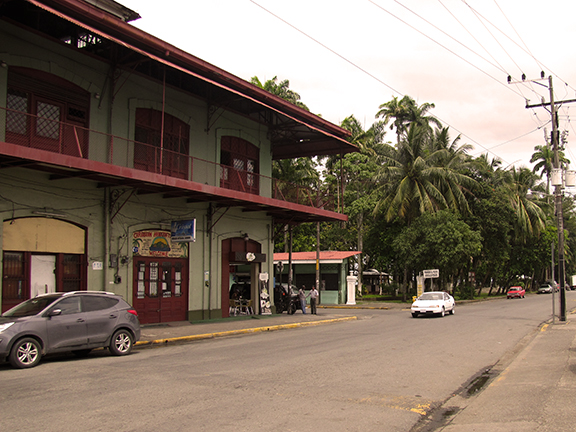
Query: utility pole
x=557, y=194
x=559, y=209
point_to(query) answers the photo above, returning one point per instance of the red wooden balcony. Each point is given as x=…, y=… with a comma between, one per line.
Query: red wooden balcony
x=68, y=139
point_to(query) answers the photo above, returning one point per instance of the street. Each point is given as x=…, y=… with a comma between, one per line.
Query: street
x=382, y=372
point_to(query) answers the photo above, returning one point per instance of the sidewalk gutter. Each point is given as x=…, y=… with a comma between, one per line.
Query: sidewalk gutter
x=191, y=338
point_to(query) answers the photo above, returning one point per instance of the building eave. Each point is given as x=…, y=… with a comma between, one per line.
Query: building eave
x=296, y=133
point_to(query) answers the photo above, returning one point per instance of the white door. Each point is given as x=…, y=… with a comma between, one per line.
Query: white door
x=43, y=274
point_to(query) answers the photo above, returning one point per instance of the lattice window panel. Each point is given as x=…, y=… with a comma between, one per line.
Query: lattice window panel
x=48, y=123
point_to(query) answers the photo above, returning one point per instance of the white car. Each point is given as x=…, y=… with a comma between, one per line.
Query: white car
x=433, y=302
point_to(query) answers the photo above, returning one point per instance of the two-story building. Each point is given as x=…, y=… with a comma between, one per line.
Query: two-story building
x=129, y=165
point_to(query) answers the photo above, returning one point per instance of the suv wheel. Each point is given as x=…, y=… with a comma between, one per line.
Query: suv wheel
x=121, y=343
x=26, y=353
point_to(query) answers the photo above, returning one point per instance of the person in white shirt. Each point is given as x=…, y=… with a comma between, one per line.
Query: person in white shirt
x=313, y=299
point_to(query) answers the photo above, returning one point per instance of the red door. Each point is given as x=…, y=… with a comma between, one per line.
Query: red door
x=161, y=289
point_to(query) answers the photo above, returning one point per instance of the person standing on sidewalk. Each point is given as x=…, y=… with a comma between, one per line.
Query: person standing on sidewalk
x=302, y=297
x=313, y=299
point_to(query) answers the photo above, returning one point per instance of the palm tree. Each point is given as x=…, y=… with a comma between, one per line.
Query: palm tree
x=399, y=110
x=418, y=115
x=544, y=154
x=281, y=89
x=419, y=178
x=483, y=169
x=405, y=112
x=530, y=218
x=416, y=180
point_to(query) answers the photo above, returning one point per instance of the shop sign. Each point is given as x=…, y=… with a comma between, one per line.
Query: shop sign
x=184, y=230
x=157, y=243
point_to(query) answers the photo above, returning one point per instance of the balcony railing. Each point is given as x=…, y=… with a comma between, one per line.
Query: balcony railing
x=72, y=140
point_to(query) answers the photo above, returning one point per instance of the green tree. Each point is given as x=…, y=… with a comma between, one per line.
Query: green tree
x=544, y=157
x=420, y=178
x=405, y=112
x=280, y=89
x=529, y=216
x=438, y=240
x=414, y=178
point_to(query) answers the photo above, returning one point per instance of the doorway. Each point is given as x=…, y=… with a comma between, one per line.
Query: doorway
x=160, y=289
x=241, y=262
x=42, y=274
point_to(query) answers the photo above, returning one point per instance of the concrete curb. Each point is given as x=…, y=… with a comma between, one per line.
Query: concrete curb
x=191, y=338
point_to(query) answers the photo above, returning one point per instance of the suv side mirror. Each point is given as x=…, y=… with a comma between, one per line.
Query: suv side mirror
x=55, y=312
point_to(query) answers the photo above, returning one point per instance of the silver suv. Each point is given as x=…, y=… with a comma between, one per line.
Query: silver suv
x=73, y=321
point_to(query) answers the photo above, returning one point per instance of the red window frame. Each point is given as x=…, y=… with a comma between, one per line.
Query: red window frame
x=166, y=153
x=61, y=127
x=240, y=165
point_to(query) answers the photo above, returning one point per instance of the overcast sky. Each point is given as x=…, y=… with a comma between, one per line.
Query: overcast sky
x=348, y=57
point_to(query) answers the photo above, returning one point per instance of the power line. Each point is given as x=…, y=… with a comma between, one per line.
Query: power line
x=472, y=36
x=438, y=43
x=400, y=93
x=326, y=47
x=516, y=43
x=519, y=37
x=378, y=79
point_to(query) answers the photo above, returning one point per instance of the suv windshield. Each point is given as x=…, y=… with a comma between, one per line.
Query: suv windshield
x=32, y=306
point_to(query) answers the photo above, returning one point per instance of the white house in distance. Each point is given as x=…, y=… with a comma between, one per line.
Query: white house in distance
x=113, y=141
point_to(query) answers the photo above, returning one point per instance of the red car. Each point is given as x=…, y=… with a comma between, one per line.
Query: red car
x=515, y=291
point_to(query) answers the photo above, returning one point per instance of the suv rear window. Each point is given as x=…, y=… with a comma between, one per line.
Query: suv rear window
x=94, y=303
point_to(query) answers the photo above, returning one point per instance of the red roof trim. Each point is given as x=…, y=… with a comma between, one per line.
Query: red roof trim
x=156, y=44
x=311, y=256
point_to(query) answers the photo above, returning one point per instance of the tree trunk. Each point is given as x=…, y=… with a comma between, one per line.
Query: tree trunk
x=404, y=282
x=360, y=246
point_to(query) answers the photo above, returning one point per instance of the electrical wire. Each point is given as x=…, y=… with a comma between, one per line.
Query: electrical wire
x=514, y=42
x=540, y=66
x=439, y=44
x=539, y=126
x=472, y=36
x=378, y=79
x=326, y=47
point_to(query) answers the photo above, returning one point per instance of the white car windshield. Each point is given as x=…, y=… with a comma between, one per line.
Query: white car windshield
x=431, y=296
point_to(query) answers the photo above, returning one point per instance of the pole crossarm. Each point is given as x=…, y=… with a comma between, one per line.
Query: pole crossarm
x=543, y=104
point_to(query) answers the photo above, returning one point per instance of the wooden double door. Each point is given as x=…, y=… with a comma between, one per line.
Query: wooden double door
x=160, y=289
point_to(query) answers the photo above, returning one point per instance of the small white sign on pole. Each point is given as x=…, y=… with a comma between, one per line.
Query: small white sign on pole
x=434, y=273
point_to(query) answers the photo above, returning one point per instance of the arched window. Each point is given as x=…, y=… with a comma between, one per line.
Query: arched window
x=240, y=165
x=46, y=112
x=161, y=153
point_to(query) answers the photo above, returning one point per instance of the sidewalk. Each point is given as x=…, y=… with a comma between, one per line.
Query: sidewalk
x=184, y=331
x=534, y=390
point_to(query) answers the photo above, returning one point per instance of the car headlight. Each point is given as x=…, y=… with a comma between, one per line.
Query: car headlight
x=5, y=326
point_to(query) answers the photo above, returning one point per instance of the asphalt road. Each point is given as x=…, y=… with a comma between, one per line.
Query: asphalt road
x=382, y=372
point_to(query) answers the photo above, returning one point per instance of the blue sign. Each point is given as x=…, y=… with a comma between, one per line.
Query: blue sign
x=184, y=231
